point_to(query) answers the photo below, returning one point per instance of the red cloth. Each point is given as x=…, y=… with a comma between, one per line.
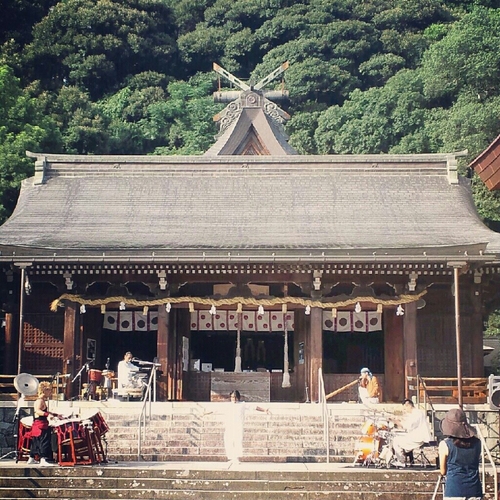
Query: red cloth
x=39, y=425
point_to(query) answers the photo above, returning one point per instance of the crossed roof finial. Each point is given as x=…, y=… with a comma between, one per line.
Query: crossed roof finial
x=244, y=86
x=250, y=96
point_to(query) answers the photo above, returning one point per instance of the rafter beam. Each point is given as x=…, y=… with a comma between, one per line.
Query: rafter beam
x=230, y=77
x=271, y=76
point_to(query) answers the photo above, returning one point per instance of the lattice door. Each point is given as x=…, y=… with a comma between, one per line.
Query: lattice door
x=43, y=343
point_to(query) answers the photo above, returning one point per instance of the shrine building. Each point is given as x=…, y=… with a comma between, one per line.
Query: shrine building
x=249, y=267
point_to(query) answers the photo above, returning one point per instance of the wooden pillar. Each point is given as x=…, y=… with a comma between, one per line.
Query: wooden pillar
x=410, y=343
x=162, y=351
x=10, y=345
x=72, y=358
x=299, y=341
x=476, y=334
x=394, y=369
x=170, y=355
x=315, y=351
x=456, y=274
x=183, y=330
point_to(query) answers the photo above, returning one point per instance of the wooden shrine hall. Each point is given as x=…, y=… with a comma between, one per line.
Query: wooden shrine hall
x=249, y=267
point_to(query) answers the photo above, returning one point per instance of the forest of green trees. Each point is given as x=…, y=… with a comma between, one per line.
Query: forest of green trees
x=135, y=77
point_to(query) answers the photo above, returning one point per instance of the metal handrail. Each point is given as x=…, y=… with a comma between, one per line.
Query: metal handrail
x=486, y=451
x=427, y=401
x=148, y=397
x=324, y=413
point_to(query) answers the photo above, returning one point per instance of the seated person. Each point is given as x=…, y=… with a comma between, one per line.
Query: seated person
x=128, y=374
x=417, y=432
x=369, y=389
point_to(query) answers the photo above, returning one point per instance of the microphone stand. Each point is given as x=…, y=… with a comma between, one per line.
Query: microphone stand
x=79, y=377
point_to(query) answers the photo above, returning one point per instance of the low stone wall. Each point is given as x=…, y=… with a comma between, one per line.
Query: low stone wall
x=7, y=431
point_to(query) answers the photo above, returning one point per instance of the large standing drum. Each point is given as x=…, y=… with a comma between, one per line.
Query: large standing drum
x=69, y=429
x=98, y=423
x=368, y=449
x=108, y=374
x=24, y=435
x=95, y=376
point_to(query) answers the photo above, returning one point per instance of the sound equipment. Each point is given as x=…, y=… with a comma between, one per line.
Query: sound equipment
x=494, y=391
x=26, y=384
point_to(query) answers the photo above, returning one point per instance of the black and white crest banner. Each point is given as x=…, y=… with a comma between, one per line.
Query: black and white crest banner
x=274, y=321
x=131, y=321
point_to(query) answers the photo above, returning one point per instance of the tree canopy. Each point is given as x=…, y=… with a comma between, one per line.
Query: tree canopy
x=134, y=76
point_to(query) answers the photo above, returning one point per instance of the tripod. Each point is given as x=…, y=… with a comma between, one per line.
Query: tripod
x=441, y=480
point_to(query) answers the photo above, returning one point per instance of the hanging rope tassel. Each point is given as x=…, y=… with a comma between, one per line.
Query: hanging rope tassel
x=286, y=374
x=237, y=359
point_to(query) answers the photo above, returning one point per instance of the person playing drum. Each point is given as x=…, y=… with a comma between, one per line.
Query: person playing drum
x=40, y=431
x=127, y=373
x=416, y=432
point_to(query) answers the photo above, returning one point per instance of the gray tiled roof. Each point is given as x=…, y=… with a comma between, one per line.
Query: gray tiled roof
x=345, y=205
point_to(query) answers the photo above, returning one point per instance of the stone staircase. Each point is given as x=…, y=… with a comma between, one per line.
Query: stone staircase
x=194, y=432
x=182, y=456
x=140, y=481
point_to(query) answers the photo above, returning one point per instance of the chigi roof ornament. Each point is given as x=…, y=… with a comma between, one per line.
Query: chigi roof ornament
x=250, y=96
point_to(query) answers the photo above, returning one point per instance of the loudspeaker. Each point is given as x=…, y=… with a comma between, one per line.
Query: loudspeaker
x=494, y=391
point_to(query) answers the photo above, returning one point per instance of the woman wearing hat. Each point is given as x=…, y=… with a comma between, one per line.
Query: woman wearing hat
x=369, y=388
x=459, y=456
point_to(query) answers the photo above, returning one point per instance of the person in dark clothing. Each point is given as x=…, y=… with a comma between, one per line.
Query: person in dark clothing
x=41, y=433
x=459, y=456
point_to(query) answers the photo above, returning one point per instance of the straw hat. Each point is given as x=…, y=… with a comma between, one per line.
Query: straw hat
x=455, y=424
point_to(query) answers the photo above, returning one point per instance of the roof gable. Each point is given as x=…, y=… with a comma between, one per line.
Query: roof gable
x=252, y=123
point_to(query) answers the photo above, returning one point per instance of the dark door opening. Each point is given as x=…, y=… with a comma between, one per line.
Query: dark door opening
x=258, y=351
x=348, y=352
x=114, y=345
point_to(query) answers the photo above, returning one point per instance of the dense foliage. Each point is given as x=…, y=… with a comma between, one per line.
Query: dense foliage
x=135, y=76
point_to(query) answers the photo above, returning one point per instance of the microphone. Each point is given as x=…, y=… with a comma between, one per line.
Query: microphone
x=107, y=364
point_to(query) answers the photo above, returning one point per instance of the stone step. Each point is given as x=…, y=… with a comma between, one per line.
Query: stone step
x=140, y=481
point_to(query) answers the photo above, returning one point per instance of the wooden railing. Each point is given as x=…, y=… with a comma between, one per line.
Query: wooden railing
x=445, y=389
x=9, y=393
